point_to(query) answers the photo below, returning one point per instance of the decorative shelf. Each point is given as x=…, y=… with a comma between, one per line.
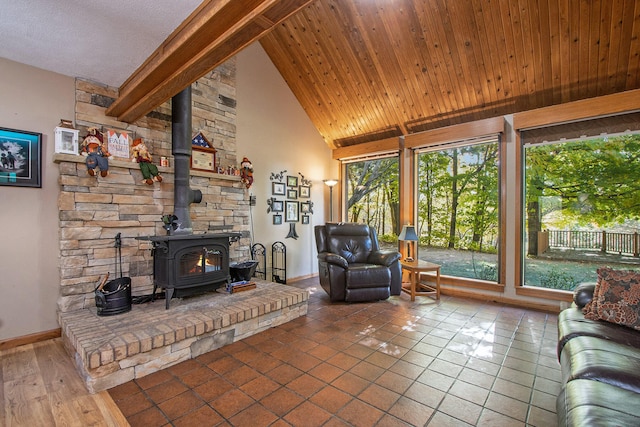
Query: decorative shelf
x=59, y=158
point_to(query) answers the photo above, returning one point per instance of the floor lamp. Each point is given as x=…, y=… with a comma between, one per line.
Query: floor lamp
x=330, y=183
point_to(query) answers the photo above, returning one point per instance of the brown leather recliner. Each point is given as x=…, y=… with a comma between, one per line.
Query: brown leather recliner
x=351, y=265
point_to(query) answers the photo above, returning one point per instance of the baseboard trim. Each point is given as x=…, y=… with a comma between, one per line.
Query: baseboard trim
x=30, y=339
x=553, y=308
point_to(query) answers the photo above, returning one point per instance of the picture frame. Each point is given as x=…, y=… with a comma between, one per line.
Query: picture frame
x=305, y=207
x=305, y=219
x=292, y=211
x=278, y=188
x=203, y=159
x=305, y=192
x=277, y=206
x=21, y=158
x=203, y=154
x=66, y=141
x=277, y=219
x=292, y=194
x=292, y=181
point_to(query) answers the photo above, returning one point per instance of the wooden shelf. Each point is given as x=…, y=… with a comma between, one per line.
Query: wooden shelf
x=59, y=158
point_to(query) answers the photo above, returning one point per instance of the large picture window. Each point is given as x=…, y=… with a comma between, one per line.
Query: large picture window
x=581, y=209
x=372, y=195
x=458, y=208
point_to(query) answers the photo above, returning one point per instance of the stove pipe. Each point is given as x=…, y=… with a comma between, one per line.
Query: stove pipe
x=183, y=195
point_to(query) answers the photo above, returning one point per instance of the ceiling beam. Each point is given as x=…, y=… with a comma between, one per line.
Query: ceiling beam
x=214, y=32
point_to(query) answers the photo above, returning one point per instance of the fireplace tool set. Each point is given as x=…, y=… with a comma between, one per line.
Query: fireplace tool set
x=114, y=297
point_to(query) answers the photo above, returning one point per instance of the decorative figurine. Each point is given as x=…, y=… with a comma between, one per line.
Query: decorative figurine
x=246, y=172
x=140, y=153
x=95, y=151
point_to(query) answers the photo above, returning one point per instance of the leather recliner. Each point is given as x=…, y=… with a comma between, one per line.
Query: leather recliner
x=351, y=265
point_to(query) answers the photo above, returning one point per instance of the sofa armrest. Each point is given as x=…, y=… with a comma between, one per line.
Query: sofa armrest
x=386, y=258
x=583, y=293
x=331, y=258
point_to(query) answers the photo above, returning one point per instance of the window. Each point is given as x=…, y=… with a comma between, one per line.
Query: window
x=581, y=208
x=372, y=195
x=458, y=208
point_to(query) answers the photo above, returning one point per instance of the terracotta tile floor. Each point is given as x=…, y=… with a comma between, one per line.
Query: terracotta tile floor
x=455, y=362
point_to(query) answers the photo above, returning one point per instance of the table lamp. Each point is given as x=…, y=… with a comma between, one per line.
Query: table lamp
x=408, y=234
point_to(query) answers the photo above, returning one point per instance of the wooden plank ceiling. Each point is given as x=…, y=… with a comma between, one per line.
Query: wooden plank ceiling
x=365, y=70
x=214, y=32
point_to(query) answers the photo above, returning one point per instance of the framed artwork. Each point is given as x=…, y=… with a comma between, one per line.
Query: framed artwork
x=119, y=144
x=203, y=154
x=292, y=211
x=305, y=192
x=278, y=188
x=305, y=207
x=20, y=158
x=292, y=181
x=292, y=194
x=277, y=206
x=66, y=141
x=277, y=219
x=305, y=219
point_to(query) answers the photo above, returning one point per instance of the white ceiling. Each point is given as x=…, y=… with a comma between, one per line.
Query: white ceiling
x=100, y=40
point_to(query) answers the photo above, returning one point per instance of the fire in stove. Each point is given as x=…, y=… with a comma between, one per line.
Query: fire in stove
x=205, y=261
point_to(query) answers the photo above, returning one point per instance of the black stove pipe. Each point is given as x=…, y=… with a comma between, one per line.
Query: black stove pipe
x=183, y=195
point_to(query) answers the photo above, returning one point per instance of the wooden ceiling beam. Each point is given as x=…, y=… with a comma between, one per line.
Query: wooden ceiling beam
x=215, y=31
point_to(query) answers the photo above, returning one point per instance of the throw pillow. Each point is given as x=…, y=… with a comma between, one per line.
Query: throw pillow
x=591, y=309
x=618, y=297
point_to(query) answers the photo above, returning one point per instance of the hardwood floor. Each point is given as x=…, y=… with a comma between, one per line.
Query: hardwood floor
x=42, y=388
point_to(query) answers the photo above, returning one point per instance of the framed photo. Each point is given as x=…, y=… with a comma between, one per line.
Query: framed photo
x=292, y=211
x=277, y=206
x=305, y=192
x=292, y=181
x=66, y=141
x=292, y=194
x=305, y=219
x=277, y=219
x=305, y=207
x=20, y=158
x=278, y=188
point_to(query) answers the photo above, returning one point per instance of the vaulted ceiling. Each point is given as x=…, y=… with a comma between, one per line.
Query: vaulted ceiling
x=366, y=70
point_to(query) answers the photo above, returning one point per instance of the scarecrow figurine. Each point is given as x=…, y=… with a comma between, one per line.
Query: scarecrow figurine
x=95, y=151
x=140, y=153
x=246, y=172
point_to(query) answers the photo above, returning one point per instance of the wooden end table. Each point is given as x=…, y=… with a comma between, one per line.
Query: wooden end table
x=417, y=286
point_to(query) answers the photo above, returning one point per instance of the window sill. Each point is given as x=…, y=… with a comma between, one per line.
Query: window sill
x=553, y=294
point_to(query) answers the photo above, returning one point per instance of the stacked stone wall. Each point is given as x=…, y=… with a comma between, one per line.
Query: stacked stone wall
x=93, y=210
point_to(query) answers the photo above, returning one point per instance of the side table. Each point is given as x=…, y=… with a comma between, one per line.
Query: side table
x=417, y=286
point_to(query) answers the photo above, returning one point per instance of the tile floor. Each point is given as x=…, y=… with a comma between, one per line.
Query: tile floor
x=455, y=362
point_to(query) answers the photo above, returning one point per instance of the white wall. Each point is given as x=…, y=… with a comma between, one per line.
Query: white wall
x=276, y=134
x=32, y=100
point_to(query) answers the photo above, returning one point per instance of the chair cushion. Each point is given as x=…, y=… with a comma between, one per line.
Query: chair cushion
x=368, y=276
x=350, y=241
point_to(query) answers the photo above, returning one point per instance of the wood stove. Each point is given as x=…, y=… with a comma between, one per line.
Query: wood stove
x=190, y=261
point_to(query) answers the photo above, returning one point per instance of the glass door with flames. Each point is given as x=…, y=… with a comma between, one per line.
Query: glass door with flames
x=197, y=262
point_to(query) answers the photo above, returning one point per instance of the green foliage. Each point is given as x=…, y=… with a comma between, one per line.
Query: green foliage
x=556, y=279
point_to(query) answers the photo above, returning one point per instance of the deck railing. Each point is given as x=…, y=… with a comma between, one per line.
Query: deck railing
x=605, y=241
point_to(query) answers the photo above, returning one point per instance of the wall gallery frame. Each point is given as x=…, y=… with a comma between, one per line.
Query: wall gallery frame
x=277, y=206
x=305, y=192
x=292, y=211
x=20, y=158
x=292, y=181
x=277, y=219
x=278, y=188
x=292, y=194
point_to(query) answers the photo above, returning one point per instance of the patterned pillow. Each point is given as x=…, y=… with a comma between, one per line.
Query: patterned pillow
x=616, y=298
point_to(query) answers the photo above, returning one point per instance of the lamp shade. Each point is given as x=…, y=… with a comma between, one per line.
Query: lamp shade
x=408, y=233
x=330, y=182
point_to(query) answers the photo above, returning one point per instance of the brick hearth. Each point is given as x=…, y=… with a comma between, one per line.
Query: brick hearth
x=112, y=350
